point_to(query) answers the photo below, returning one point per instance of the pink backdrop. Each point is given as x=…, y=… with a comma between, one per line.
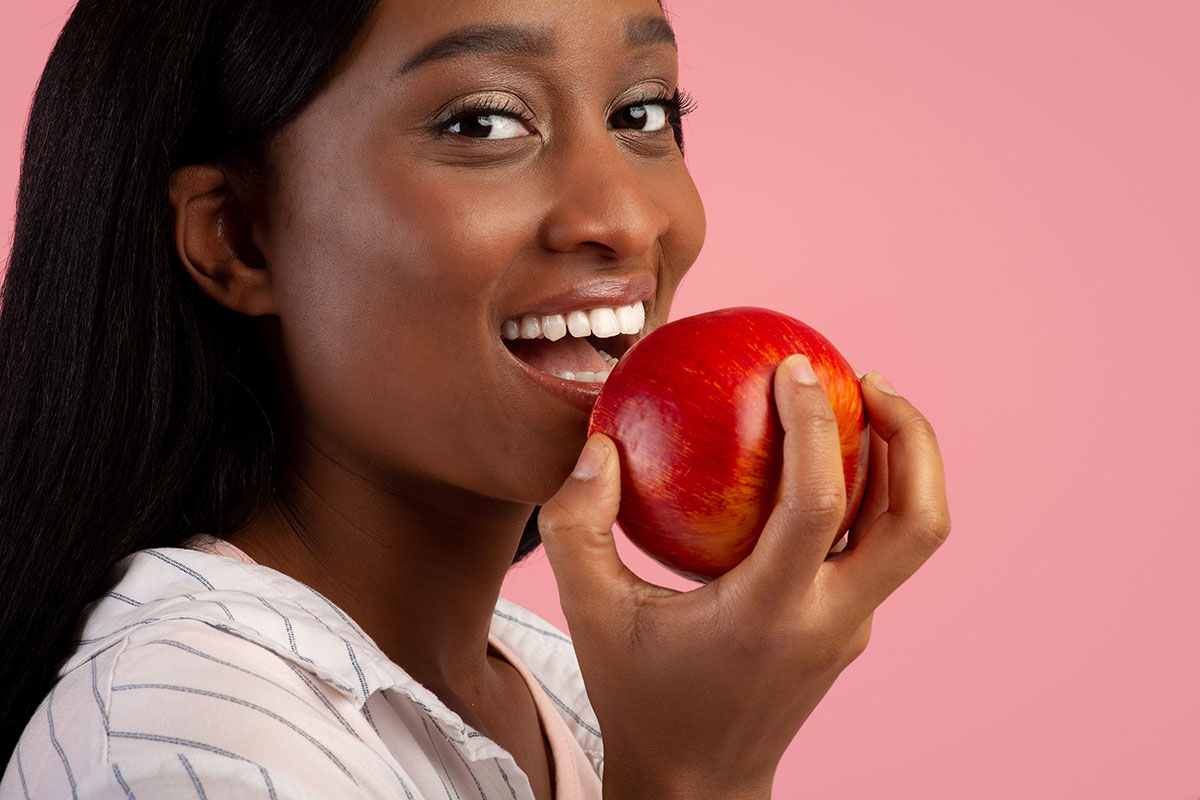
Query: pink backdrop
x=996, y=205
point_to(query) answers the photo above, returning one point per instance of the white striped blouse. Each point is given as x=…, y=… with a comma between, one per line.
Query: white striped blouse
x=202, y=675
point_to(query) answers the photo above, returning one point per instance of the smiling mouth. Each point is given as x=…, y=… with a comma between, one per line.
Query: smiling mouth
x=581, y=346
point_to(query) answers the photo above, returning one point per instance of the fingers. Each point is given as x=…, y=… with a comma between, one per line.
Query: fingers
x=576, y=527
x=875, y=499
x=812, y=501
x=917, y=520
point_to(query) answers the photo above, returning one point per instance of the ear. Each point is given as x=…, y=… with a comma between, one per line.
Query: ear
x=212, y=237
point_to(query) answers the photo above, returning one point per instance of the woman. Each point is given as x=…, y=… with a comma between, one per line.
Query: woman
x=287, y=296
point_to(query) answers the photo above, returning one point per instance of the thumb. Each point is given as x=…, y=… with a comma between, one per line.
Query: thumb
x=576, y=526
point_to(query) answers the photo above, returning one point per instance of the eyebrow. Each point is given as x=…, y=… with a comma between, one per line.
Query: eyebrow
x=649, y=31
x=510, y=40
x=520, y=40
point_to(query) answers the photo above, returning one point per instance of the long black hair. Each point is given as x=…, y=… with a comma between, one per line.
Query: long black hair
x=134, y=411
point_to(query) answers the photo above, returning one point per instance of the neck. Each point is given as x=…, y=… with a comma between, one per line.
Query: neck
x=419, y=567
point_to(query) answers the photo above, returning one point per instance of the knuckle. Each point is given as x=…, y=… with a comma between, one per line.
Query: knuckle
x=825, y=503
x=920, y=427
x=858, y=644
x=828, y=651
x=818, y=418
x=840, y=647
x=556, y=520
x=934, y=526
x=830, y=647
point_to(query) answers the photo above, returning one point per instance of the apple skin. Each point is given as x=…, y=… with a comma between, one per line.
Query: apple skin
x=691, y=410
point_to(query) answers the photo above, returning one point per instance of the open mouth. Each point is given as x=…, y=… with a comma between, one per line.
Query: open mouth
x=581, y=346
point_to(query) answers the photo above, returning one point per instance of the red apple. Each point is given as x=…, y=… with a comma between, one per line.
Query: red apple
x=690, y=409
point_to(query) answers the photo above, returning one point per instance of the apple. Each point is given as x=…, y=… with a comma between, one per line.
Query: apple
x=690, y=409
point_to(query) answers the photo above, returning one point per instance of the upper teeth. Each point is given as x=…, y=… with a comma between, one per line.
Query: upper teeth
x=601, y=322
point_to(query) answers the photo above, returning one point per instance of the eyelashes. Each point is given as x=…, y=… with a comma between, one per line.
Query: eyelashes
x=680, y=104
x=678, y=107
x=486, y=116
x=479, y=116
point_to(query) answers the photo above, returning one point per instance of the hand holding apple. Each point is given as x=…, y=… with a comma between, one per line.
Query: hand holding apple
x=690, y=410
x=699, y=693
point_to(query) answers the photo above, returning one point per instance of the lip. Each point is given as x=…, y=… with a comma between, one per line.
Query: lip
x=605, y=293
x=581, y=395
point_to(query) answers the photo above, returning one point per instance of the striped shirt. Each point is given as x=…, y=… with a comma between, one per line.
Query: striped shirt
x=210, y=676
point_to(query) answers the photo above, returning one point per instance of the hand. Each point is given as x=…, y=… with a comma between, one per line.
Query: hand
x=699, y=693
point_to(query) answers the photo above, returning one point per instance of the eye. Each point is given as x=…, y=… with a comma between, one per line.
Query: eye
x=646, y=117
x=487, y=125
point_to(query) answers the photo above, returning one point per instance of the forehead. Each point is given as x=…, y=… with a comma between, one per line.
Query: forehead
x=551, y=27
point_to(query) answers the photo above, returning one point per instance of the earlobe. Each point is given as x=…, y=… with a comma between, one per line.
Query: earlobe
x=213, y=241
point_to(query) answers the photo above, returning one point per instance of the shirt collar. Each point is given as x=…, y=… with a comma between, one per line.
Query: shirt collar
x=279, y=613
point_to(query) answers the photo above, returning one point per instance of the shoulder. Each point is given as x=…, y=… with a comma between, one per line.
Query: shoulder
x=195, y=671
x=179, y=707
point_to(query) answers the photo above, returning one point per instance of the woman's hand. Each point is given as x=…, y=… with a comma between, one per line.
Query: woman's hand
x=699, y=693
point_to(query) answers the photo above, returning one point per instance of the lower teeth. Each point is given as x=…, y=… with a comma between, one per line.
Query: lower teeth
x=583, y=377
x=610, y=360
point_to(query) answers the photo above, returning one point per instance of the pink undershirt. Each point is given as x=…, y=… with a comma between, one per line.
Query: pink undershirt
x=574, y=778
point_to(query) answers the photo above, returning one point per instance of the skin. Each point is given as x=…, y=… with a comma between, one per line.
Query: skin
x=381, y=259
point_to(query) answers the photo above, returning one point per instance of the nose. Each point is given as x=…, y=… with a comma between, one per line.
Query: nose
x=600, y=202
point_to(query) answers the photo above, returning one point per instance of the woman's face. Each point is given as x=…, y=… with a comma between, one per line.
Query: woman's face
x=430, y=193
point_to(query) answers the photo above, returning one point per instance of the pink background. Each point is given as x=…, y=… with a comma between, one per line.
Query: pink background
x=997, y=205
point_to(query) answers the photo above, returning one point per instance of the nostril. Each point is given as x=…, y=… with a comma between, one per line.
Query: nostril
x=608, y=211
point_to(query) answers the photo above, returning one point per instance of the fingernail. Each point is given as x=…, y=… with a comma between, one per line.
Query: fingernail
x=591, y=460
x=877, y=381
x=800, y=370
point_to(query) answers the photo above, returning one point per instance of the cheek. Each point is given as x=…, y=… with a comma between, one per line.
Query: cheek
x=684, y=239
x=397, y=253
x=384, y=293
